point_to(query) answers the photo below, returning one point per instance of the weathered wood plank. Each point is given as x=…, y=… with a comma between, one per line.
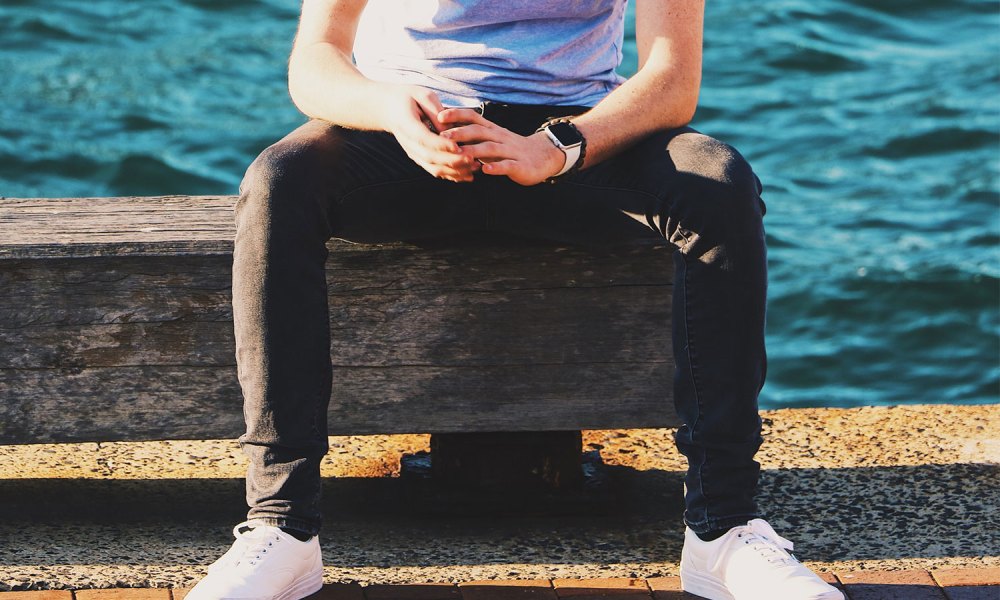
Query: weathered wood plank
x=146, y=403
x=140, y=289
x=161, y=288
x=172, y=225
x=123, y=329
x=458, y=327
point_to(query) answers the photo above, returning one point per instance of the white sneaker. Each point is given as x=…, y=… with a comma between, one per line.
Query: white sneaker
x=750, y=562
x=264, y=563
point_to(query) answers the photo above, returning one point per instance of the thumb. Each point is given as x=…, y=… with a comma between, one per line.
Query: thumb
x=507, y=166
x=430, y=104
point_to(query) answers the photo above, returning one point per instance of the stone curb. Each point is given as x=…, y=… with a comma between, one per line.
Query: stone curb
x=945, y=584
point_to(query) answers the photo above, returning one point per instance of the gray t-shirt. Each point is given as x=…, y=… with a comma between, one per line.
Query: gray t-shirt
x=515, y=51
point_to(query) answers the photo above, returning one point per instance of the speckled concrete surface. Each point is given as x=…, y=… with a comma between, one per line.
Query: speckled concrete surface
x=869, y=488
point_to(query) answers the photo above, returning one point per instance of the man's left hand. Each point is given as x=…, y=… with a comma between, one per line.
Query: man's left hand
x=527, y=160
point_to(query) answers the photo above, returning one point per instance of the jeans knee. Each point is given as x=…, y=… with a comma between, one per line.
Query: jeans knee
x=721, y=185
x=277, y=189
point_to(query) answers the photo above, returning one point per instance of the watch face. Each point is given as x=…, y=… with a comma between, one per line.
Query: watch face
x=565, y=133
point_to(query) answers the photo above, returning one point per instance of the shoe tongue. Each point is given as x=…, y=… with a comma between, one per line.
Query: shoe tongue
x=764, y=529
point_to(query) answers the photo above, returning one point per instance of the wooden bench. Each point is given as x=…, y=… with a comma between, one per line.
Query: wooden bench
x=116, y=324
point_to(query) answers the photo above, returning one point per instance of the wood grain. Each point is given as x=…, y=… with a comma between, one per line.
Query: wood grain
x=117, y=325
x=150, y=403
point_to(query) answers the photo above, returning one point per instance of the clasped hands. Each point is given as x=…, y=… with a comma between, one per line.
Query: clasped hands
x=455, y=143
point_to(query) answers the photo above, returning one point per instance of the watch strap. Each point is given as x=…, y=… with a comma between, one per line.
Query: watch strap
x=574, y=154
x=571, y=154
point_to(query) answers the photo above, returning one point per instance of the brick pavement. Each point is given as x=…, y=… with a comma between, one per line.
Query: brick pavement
x=947, y=584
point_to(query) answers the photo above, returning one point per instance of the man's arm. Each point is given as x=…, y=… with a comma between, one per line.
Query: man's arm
x=661, y=95
x=324, y=84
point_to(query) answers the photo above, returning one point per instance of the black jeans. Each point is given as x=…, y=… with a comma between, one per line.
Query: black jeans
x=323, y=181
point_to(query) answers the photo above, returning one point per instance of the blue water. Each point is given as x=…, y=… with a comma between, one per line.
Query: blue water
x=874, y=124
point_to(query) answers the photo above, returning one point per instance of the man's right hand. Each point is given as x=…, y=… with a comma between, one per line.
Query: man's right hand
x=411, y=115
x=325, y=84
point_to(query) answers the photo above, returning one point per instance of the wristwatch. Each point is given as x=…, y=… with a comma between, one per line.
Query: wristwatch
x=564, y=135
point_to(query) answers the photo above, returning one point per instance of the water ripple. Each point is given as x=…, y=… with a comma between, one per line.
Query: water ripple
x=874, y=125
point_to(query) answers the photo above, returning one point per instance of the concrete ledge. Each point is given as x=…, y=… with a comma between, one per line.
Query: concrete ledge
x=953, y=584
x=907, y=488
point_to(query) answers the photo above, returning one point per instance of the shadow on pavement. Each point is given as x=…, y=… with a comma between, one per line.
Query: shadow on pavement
x=832, y=514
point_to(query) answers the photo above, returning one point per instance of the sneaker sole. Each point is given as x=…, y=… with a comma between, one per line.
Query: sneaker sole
x=711, y=588
x=304, y=587
x=705, y=586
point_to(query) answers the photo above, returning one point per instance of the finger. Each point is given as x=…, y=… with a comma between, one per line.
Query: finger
x=487, y=151
x=460, y=162
x=450, y=174
x=468, y=134
x=444, y=161
x=461, y=116
x=450, y=160
x=420, y=135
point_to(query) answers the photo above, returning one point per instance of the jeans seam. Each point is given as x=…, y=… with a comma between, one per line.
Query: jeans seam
x=690, y=348
x=615, y=188
x=687, y=314
x=690, y=345
x=627, y=190
x=379, y=184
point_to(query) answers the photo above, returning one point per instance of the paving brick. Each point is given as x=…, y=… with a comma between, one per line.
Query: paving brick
x=973, y=592
x=414, y=591
x=604, y=587
x=664, y=584
x=911, y=577
x=889, y=591
x=891, y=585
x=124, y=594
x=967, y=577
x=46, y=595
x=674, y=595
x=668, y=588
x=831, y=579
x=339, y=591
x=613, y=596
x=520, y=589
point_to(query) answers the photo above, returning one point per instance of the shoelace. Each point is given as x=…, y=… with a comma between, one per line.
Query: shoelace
x=255, y=541
x=760, y=536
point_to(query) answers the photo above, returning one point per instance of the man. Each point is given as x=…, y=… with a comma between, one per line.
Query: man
x=454, y=117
